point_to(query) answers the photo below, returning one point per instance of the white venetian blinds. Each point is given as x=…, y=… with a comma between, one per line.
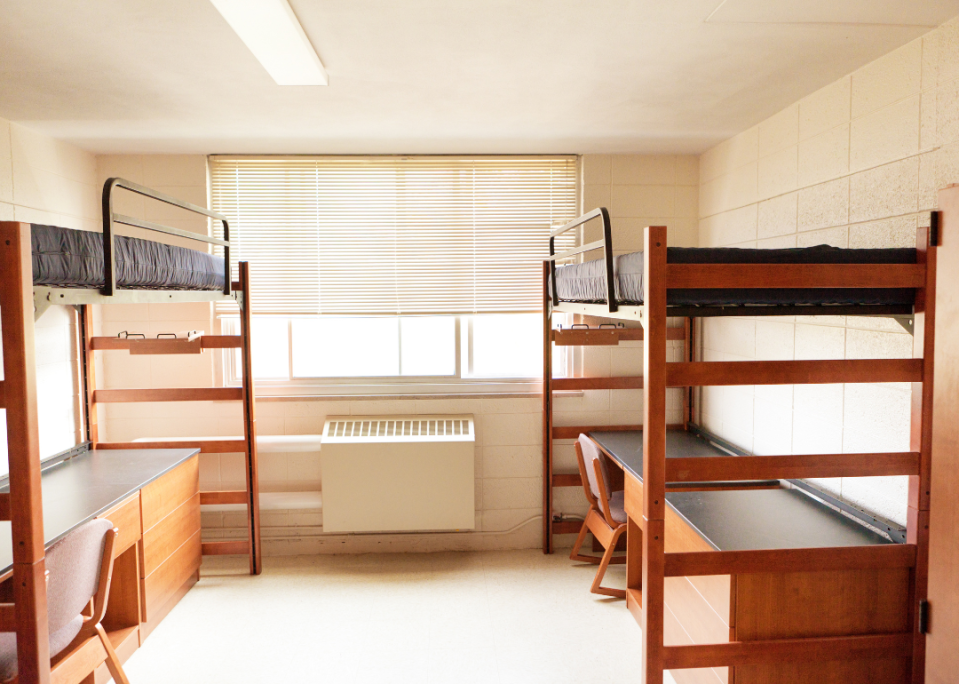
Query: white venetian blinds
x=394, y=235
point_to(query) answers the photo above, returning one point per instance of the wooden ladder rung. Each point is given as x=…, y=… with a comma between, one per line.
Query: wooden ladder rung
x=567, y=480
x=114, y=396
x=225, y=548
x=238, y=496
x=574, y=431
x=567, y=526
x=206, y=446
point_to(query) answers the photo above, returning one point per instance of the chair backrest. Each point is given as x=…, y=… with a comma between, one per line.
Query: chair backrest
x=591, y=453
x=74, y=567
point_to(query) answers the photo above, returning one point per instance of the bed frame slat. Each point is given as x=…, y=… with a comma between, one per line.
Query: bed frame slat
x=698, y=563
x=786, y=650
x=787, y=467
x=791, y=276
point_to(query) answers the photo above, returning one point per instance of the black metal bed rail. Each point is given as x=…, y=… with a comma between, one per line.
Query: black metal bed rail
x=606, y=244
x=110, y=217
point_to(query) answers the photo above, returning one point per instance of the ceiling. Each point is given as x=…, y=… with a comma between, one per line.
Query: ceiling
x=437, y=76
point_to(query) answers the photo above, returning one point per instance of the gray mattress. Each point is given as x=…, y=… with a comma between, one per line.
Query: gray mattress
x=63, y=257
x=586, y=282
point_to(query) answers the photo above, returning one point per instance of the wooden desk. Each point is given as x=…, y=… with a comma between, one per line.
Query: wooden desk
x=722, y=608
x=152, y=497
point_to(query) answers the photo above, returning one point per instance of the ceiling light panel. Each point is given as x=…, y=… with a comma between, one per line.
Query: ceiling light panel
x=276, y=38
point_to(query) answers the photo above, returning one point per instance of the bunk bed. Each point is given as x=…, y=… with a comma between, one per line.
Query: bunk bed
x=843, y=631
x=148, y=489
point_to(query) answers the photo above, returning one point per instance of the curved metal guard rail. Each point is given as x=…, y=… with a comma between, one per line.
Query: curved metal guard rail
x=109, y=218
x=606, y=244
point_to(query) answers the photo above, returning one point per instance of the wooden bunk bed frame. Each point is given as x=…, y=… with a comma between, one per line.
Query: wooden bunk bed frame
x=648, y=563
x=21, y=303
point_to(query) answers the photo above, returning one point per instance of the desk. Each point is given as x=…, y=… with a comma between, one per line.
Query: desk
x=722, y=608
x=152, y=497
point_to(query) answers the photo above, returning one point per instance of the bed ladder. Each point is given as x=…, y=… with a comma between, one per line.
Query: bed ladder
x=249, y=497
x=583, y=335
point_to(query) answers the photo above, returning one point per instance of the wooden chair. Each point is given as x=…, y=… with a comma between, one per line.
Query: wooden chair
x=79, y=570
x=606, y=518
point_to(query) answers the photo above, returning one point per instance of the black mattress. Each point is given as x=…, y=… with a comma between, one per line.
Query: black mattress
x=63, y=257
x=586, y=282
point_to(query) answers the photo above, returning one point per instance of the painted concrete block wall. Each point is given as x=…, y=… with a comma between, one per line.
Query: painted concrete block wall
x=43, y=180
x=855, y=164
x=642, y=190
x=638, y=191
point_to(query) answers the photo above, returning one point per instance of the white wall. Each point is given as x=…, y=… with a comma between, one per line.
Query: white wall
x=856, y=164
x=43, y=180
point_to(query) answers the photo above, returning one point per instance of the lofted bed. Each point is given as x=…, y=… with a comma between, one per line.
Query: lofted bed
x=148, y=489
x=862, y=584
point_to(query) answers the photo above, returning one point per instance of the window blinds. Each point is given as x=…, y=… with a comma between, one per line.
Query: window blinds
x=394, y=235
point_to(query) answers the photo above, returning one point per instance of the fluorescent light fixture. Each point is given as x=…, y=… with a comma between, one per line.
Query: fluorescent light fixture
x=275, y=37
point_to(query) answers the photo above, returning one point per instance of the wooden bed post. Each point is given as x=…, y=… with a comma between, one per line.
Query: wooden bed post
x=547, y=417
x=654, y=451
x=249, y=424
x=920, y=440
x=23, y=448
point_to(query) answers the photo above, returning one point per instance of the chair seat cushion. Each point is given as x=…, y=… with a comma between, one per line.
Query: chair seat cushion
x=617, y=506
x=59, y=640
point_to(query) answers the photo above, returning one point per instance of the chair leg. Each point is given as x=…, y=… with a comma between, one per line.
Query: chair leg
x=601, y=572
x=113, y=662
x=575, y=555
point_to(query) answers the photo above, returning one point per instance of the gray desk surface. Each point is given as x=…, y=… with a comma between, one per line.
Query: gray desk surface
x=626, y=448
x=79, y=489
x=743, y=519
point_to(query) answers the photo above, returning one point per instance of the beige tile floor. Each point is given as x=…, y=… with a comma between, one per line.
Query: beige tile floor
x=446, y=618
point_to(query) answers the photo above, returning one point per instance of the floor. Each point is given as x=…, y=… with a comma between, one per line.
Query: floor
x=499, y=617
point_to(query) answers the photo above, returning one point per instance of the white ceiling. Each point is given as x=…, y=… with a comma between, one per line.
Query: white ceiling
x=437, y=76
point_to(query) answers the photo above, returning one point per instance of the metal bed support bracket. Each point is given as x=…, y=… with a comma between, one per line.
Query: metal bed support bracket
x=907, y=322
x=44, y=297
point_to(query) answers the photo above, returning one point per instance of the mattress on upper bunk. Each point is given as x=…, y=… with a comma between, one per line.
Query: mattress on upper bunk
x=586, y=282
x=63, y=257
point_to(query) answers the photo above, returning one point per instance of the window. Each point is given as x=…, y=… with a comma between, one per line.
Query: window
x=375, y=354
x=394, y=269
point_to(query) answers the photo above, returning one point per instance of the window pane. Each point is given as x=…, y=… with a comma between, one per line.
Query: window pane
x=429, y=345
x=508, y=346
x=346, y=347
x=271, y=359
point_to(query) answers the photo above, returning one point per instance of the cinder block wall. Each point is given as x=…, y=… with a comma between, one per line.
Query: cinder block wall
x=48, y=181
x=855, y=164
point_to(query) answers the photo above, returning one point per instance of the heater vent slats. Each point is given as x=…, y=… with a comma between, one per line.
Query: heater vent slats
x=399, y=429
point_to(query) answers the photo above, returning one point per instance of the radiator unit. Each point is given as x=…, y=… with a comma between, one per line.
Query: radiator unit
x=398, y=473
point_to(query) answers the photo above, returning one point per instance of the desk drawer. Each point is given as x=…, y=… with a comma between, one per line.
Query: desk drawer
x=163, y=583
x=633, y=498
x=164, y=538
x=125, y=517
x=161, y=497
